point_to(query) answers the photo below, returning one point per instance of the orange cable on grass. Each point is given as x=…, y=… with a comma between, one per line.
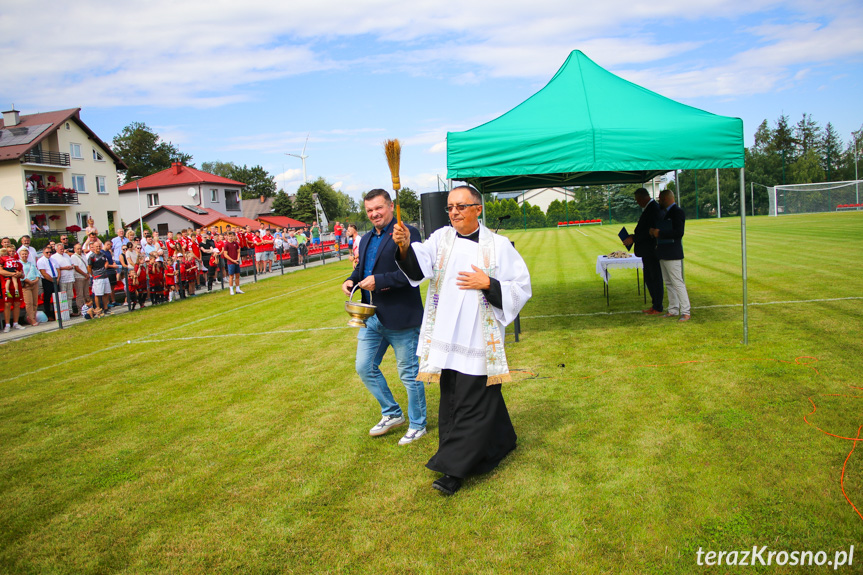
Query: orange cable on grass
x=842, y=477
x=797, y=361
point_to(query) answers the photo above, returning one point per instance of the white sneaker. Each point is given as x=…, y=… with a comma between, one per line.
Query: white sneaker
x=18, y=326
x=7, y=328
x=232, y=291
x=238, y=290
x=412, y=435
x=385, y=424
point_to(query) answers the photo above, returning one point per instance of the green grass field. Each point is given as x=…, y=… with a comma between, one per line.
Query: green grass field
x=230, y=435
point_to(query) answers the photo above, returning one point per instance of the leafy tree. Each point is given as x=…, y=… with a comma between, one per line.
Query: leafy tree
x=624, y=208
x=304, y=205
x=143, y=152
x=223, y=169
x=283, y=206
x=410, y=205
x=807, y=135
x=258, y=181
x=833, y=159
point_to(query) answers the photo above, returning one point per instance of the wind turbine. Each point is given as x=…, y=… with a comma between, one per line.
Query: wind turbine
x=303, y=157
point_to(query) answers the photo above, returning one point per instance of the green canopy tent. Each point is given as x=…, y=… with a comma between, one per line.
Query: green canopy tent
x=590, y=127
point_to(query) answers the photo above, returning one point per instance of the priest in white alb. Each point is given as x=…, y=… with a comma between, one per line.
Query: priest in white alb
x=478, y=283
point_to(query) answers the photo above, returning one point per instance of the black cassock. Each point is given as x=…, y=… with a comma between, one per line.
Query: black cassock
x=475, y=432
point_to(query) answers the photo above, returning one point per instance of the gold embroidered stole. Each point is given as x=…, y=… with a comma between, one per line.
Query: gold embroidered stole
x=496, y=365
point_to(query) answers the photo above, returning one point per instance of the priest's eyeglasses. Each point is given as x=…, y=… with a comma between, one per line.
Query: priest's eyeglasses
x=459, y=207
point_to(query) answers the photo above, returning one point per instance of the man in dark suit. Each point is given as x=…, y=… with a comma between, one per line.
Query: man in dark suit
x=645, y=248
x=669, y=249
x=396, y=322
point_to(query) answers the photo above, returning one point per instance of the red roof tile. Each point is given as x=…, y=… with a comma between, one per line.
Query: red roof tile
x=282, y=221
x=169, y=179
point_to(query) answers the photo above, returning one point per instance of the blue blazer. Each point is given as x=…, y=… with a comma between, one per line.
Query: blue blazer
x=670, y=244
x=645, y=244
x=399, y=306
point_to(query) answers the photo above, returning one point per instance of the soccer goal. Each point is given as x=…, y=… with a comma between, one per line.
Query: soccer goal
x=810, y=198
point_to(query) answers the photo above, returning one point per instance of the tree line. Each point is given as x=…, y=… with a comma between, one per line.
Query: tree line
x=784, y=153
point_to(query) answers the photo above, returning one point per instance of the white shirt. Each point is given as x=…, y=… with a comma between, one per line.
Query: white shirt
x=66, y=276
x=42, y=264
x=79, y=262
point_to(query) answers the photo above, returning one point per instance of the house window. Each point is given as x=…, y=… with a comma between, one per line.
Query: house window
x=97, y=156
x=232, y=200
x=152, y=200
x=100, y=185
x=75, y=151
x=214, y=195
x=79, y=183
x=68, y=126
x=82, y=218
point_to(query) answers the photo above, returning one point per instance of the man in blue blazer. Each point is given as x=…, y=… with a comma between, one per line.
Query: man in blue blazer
x=645, y=248
x=669, y=250
x=396, y=322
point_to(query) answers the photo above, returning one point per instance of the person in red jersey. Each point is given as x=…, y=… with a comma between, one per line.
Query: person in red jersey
x=9, y=261
x=12, y=272
x=170, y=279
x=269, y=243
x=156, y=271
x=260, y=251
x=171, y=245
x=231, y=253
x=190, y=273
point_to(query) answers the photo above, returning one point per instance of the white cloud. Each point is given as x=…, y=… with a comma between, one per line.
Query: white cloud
x=206, y=54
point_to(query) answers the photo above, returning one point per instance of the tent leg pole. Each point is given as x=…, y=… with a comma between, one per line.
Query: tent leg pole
x=743, y=256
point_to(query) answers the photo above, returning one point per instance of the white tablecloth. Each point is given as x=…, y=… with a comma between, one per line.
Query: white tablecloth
x=603, y=263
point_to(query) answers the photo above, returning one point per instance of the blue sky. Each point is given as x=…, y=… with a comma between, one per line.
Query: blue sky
x=247, y=81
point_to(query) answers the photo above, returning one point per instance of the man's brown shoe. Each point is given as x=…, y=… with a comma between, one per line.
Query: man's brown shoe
x=651, y=311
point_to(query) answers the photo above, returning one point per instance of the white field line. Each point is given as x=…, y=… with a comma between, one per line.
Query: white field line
x=233, y=309
x=143, y=338
x=264, y=333
x=581, y=232
x=696, y=307
x=273, y=332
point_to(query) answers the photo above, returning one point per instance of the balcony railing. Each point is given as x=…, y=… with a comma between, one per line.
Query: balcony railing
x=49, y=158
x=46, y=197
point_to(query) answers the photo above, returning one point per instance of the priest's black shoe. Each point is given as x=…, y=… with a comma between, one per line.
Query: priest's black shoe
x=447, y=484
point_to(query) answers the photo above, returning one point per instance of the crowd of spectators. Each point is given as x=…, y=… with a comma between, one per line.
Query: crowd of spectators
x=147, y=271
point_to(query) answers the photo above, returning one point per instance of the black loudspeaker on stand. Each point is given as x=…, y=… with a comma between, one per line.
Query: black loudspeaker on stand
x=434, y=214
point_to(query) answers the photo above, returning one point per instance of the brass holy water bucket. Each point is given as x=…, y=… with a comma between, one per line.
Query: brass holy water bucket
x=359, y=312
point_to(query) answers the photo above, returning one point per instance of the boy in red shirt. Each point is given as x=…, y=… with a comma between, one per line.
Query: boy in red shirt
x=260, y=252
x=269, y=243
x=190, y=273
x=9, y=261
x=231, y=253
x=11, y=293
x=171, y=245
x=170, y=279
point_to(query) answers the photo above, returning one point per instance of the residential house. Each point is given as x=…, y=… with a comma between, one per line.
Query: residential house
x=178, y=186
x=55, y=171
x=253, y=208
x=166, y=219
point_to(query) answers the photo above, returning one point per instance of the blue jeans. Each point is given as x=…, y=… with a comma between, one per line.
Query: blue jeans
x=372, y=343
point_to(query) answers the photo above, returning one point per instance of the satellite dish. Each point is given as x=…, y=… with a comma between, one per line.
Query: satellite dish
x=192, y=192
x=8, y=204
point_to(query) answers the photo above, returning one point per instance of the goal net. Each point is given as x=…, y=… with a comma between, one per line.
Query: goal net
x=809, y=198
